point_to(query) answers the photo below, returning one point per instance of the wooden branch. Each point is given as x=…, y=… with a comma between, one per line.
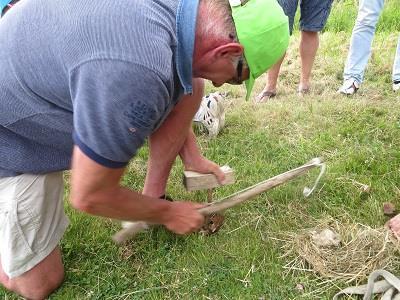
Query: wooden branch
x=255, y=190
x=129, y=232
x=234, y=199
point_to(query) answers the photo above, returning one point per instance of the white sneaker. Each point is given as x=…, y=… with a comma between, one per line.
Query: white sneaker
x=349, y=87
x=211, y=113
x=396, y=86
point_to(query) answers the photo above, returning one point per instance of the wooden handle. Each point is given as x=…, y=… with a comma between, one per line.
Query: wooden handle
x=129, y=232
x=232, y=200
x=257, y=189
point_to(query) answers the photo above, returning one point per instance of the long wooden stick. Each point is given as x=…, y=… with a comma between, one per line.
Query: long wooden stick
x=230, y=201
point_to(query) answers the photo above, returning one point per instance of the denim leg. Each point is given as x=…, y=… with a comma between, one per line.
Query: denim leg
x=289, y=7
x=396, y=65
x=314, y=14
x=361, y=39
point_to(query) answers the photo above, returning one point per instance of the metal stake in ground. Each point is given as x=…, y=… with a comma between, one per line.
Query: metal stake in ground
x=241, y=196
x=194, y=181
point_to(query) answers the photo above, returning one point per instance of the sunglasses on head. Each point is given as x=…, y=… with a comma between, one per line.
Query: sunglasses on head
x=239, y=70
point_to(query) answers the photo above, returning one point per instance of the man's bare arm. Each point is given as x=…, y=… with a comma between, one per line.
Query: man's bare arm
x=195, y=161
x=95, y=189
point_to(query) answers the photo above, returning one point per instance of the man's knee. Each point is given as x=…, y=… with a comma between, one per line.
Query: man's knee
x=368, y=17
x=40, y=281
x=309, y=34
x=44, y=289
x=36, y=289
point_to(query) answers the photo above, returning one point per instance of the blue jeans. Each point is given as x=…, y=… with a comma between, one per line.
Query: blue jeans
x=313, y=13
x=361, y=40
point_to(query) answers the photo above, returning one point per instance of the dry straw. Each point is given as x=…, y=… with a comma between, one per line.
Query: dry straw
x=361, y=250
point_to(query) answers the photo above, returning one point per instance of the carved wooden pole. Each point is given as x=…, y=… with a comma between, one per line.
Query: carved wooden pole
x=232, y=200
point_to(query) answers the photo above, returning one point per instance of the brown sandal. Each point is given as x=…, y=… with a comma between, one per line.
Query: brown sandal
x=303, y=91
x=265, y=96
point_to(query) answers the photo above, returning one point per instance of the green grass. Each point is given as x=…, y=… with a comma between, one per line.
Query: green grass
x=359, y=137
x=344, y=12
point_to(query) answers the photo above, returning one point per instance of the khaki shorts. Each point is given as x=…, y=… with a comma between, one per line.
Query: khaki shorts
x=32, y=220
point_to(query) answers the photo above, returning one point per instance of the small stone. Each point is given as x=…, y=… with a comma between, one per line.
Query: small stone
x=300, y=287
x=326, y=238
x=365, y=191
x=389, y=209
x=365, y=188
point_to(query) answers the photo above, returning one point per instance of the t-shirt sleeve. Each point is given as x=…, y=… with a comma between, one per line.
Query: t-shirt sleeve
x=117, y=105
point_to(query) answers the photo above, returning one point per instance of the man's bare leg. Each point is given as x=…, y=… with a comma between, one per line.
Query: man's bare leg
x=269, y=90
x=40, y=281
x=308, y=49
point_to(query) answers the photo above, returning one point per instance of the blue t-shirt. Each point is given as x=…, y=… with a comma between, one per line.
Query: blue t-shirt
x=96, y=73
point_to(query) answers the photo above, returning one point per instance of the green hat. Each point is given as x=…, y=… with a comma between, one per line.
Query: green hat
x=263, y=30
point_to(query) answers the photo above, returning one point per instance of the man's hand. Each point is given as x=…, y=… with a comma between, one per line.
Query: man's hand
x=183, y=217
x=203, y=165
x=193, y=160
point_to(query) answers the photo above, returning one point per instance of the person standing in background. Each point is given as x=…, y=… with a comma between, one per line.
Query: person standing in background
x=360, y=48
x=313, y=17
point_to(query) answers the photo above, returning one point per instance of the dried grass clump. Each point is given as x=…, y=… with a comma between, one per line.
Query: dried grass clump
x=362, y=250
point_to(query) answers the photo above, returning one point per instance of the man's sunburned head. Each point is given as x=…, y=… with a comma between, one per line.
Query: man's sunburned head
x=238, y=40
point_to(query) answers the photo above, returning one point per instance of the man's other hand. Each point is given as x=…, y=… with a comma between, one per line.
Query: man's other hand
x=183, y=217
x=205, y=166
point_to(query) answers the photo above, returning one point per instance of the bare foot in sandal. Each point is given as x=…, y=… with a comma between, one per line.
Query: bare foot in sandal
x=264, y=96
x=303, y=90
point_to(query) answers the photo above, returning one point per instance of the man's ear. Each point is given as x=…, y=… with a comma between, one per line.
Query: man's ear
x=228, y=50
